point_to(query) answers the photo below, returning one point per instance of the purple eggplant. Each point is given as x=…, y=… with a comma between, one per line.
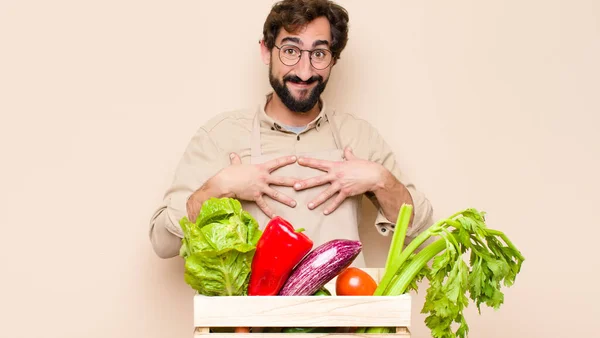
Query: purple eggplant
x=320, y=266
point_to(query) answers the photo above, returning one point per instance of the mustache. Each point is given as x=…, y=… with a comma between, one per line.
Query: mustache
x=296, y=79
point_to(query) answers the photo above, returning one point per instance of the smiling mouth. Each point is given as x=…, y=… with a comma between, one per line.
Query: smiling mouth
x=302, y=85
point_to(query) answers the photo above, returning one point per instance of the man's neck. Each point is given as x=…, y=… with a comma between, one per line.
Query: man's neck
x=279, y=112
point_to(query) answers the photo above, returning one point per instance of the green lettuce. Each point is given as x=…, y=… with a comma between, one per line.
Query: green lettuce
x=218, y=248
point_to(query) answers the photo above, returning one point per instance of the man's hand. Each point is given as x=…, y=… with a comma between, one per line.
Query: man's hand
x=245, y=182
x=350, y=178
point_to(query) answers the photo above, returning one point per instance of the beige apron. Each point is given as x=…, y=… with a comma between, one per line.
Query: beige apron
x=340, y=224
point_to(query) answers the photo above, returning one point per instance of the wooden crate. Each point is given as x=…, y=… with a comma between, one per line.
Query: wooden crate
x=303, y=311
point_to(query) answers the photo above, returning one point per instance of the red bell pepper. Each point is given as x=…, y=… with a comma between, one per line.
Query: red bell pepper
x=278, y=250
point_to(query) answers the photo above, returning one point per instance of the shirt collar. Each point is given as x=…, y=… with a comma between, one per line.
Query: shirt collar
x=268, y=122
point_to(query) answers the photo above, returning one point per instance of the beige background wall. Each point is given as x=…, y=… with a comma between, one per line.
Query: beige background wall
x=493, y=105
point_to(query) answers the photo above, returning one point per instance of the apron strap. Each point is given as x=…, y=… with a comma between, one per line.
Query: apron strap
x=334, y=131
x=255, y=146
x=255, y=138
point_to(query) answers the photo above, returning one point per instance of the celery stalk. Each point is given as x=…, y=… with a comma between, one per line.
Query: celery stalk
x=400, y=257
x=397, y=244
x=413, y=268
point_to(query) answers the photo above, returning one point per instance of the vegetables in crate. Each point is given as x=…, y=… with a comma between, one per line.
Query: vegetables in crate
x=278, y=251
x=320, y=266
x=219, y=247
x=493, y=260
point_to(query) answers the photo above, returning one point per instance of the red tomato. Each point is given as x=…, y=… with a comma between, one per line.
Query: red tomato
x=354, y=282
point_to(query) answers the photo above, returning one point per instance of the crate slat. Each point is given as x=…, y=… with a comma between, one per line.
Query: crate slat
x=302, y=311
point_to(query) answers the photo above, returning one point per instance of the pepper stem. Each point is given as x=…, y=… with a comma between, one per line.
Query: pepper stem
x=299, y=230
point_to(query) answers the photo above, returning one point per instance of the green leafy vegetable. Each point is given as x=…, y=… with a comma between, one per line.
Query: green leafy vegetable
x=218, y=248
x=493, y=261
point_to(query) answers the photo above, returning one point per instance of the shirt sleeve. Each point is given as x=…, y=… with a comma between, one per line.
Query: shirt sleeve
x=381, y=153
x=200, y=161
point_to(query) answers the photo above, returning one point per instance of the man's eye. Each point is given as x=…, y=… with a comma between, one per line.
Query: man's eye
x=319, y=54
x=290, y=51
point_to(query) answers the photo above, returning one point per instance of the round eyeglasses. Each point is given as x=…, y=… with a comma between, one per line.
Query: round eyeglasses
x=319, y=58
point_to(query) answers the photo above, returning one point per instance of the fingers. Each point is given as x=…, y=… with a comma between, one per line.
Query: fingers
x=262, y=204
x=276, y=195
x=314, y=181
x=335, y=203
x=279, y=162
x=324, y=196
x=349, y=155
x=282, y=181
x=235, y=158
x=193, y=208
x=315, y=163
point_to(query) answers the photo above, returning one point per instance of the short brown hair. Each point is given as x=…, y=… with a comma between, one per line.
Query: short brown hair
x=292, y=15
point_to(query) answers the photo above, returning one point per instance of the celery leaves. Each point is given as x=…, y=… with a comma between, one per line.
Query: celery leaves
x=493, y=261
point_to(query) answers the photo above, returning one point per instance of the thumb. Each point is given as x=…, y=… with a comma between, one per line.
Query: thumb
x=349, y=155
x=235, y=158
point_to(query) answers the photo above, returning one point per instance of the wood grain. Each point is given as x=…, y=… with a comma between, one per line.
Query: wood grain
x=275, y=311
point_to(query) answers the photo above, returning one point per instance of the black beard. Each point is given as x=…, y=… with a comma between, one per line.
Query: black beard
x=298, y=106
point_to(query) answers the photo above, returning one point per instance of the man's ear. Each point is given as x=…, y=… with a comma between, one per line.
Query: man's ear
x=265, y=53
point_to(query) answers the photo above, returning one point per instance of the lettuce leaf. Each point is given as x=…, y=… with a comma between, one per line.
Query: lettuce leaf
x=218, y=248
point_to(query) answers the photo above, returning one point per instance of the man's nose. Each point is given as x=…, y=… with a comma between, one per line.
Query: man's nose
x=304, y=68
